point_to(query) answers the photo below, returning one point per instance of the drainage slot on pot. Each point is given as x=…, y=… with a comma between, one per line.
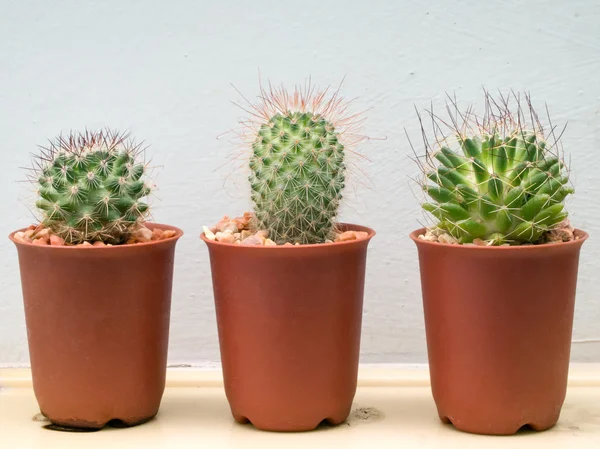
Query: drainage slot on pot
x=58, y=428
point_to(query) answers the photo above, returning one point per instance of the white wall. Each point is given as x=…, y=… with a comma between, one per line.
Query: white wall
x=162, y=69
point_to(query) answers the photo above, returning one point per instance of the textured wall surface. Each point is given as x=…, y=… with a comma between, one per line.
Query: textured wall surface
x=163, y=70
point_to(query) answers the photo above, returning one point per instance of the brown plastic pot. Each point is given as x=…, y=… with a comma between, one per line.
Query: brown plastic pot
x=499, y=322
x=289, y=321
x=98, y=329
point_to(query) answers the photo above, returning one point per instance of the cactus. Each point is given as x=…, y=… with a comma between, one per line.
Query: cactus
x=499, y=180
x=297, y=166
x=90, y=187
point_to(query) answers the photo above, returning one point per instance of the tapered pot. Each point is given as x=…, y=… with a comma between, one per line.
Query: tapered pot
x=499, y=322
x=289, y=321
x=98, y=328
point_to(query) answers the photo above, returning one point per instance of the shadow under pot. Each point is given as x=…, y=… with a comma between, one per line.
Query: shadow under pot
x=498, y=323
x=289, y=322
x=98, y=328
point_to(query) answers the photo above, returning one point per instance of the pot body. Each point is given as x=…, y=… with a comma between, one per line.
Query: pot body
x=499, y=323
x=98, y=329
x=289, y=322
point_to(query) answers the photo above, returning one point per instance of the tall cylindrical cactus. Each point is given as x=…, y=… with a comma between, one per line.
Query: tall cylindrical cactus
x=297, y=166
x=497, y=179
x=91, y=187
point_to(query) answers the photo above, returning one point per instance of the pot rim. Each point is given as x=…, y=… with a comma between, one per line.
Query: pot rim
x=177, y=236
x=352, y=227
x=583, y=236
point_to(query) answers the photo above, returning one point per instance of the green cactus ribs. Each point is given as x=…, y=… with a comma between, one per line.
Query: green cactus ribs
x=297, y=177
x=91, y=187
x=500, y=181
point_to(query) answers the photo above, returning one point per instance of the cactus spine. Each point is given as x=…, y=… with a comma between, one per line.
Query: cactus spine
x=91, y=186
x=499, y=179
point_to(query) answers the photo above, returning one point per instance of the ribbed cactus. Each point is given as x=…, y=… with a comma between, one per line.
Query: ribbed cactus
x=500, y=180
x=297, y=168
x=91, y=186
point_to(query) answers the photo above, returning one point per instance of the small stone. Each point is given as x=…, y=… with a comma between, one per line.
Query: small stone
x=221, y=224
x=345, y=236
x=41, y=241
x=237, y=235
x=29, y=232
x=230, y=227
x=244, y=235
x=269, y=242
x=208, y=233
x=447, y=238
x=142, y=235
x=328, y=241
x=55, y=240
x=262, y=233
x=429, y=236
x=361, y=235
x=479, y=242
x=157, y=234
x=98, y=243
x=168, y=234
x=85, y=244
x=240, y=223
x=253, y=240
x=225, y=237
x=287, y=244
x=20, y=236
x=30, y=228
x=43, y=233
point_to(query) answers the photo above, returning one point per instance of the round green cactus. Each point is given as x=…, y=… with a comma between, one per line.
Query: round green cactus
x=91, y=187
x=501, y=182
x=297, y=176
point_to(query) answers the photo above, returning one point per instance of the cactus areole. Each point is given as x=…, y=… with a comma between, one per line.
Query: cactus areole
x=499, y=179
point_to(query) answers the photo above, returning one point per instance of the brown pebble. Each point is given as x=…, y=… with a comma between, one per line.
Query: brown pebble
x=345, y=236
x=240, y=222
x=269, y=242
x=55, y=240
x=43, y=233
x=142, y=235
x=262, y=233
x=157, y=234
x=20, y=236
x=41, y=241
x=221, y=224
x=168, y=234
x=361, y=234
x=98, y=243
x=253, y=240
x=225, y=237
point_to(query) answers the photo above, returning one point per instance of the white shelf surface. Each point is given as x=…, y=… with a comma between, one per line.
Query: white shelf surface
x=393, y=408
